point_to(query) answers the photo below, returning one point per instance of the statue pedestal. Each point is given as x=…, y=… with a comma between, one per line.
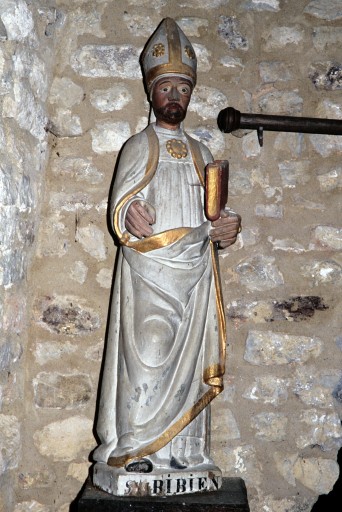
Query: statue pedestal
x=232, y=497
x=160, y=482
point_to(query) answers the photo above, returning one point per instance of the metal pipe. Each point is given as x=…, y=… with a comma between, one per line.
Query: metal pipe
x=230, y=119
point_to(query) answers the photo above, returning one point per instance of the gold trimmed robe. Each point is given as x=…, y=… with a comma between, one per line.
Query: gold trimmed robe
x=165, y=351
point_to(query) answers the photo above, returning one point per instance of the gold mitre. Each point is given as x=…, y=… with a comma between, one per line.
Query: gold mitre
x=168, y=52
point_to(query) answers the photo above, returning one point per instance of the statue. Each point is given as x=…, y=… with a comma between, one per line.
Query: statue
x=165, y=355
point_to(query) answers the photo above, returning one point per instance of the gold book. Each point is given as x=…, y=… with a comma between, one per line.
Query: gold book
x=216, y=188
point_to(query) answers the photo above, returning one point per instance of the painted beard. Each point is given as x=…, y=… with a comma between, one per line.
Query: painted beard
x=173, y=113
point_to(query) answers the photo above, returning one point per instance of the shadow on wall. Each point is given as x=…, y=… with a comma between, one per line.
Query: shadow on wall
x=331, y=502
x=74, y=504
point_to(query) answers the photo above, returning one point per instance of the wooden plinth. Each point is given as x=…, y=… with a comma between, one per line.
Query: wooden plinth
x=232, y=497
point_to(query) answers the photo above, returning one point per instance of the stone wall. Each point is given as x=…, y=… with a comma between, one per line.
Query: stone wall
x=277, y=423
x=26, y=66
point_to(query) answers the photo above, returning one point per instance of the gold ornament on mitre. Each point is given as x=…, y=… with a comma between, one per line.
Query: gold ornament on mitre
x=168, y=52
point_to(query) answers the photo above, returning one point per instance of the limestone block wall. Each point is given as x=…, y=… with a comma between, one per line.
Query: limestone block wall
x=26, y=65
x=277, y=424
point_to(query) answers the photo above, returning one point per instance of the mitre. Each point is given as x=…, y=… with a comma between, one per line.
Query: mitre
x=168, y=52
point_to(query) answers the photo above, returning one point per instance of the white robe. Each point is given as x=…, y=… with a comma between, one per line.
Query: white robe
x=165, y=351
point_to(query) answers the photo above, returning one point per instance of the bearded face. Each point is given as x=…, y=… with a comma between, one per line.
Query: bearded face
x=173, y=113
x=170, y=100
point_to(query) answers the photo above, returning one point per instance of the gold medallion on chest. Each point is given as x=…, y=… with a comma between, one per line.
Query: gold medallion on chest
x=176, y=148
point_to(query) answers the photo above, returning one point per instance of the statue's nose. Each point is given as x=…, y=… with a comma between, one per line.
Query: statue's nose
x=174, y=94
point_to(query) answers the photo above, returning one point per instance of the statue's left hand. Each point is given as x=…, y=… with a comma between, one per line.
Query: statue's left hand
x=226, y=228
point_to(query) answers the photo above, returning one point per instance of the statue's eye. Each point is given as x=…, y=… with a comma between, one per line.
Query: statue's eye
x=184, y=89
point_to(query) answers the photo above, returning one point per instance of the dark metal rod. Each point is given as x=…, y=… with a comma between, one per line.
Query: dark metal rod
x=230, y=120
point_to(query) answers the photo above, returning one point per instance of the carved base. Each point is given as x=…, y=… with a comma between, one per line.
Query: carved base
x=160, y=482
x=232, y=497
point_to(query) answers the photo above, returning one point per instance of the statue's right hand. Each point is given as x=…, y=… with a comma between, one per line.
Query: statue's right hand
x=139, y=218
